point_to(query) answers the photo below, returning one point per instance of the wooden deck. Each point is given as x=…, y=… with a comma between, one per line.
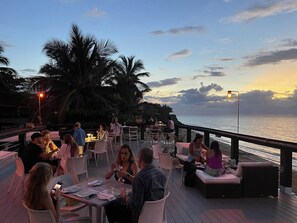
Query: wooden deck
x=185, y=204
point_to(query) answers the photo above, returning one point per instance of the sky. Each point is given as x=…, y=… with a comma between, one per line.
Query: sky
x=194, y=50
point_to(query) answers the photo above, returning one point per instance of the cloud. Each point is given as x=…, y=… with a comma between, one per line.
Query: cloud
x=224, y=59
x=5, y=44
x=194, y=95
x=215, y=71
x=95, y=12
x=164, y=82
x=28, y=70
x=262, y=11
x=289, y=43
x=271, y=57
x=181, y=30
x=180, y=54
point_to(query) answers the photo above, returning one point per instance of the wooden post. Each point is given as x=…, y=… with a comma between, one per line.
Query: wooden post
x=189, y=135
x=234, y=149
x=22, y=143
x=286, y=171
x=142, y=129
x=206, y=138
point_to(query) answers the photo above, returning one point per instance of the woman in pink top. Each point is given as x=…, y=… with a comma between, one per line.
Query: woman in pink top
x=214, y=164
x=68, y=149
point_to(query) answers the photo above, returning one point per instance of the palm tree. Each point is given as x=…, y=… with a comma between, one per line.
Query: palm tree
x=127, y=83
x=77, y=73
x=11, y=85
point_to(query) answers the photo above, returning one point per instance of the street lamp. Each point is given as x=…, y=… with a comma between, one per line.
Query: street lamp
x=40, y=95
x=229, y=95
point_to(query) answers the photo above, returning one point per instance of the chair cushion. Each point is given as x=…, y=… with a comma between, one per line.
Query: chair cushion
x=180, y=146
x=238, y=172
x=224, y=179
x=182, y=157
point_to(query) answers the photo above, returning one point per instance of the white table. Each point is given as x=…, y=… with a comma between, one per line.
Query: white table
x=111, y=185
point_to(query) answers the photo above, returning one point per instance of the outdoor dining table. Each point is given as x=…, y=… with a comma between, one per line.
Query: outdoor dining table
x=89, y=194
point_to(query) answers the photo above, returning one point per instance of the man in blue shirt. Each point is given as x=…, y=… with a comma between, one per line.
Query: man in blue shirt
x=148, y=185
x=79, y=135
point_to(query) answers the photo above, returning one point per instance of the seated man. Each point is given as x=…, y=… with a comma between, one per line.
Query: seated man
x=128, y=208
x=34, y=153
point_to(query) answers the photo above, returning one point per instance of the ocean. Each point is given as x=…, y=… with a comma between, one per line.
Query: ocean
x=274, y=127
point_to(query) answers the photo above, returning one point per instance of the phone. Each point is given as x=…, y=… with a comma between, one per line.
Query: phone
x=57, y=186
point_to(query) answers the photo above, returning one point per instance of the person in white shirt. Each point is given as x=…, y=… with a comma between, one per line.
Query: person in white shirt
x=67, y=150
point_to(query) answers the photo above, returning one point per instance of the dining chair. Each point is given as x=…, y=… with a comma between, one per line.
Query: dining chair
x=38, y=216
x=167, y=163
x=133, y=135
x=154, y=135
x=154, y=211
x=77, y=166
x=156, y=150
x=100, y=148
x=67, y=181
x=20, y=173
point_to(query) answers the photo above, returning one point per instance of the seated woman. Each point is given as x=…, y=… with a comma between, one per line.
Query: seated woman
x=125, y=167
x=214, y=163
x=68, y=149
x=115, y=127
x=48, y=145
x=195, y=149
x=37, y=196
x=102, y=133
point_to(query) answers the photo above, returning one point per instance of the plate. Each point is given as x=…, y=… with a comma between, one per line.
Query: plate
x=71, y=189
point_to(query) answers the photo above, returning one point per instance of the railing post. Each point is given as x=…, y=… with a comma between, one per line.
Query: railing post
x=286, y=171
x=176, y=132
x=22, y=143
x=142, y=129
x=206, y=138
x=189, y=135
x=234, y=149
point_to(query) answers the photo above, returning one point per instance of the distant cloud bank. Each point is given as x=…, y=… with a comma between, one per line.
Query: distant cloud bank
x=95, y=12
x=164, y=82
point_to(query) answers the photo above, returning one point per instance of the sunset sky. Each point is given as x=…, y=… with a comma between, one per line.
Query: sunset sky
x=195, y=50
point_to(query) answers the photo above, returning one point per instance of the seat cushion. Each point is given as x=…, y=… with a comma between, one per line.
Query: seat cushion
x=182, y=157
x=224, y=179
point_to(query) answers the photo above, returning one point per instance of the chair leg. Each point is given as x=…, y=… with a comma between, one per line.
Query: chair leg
x=11, y=183
x=95, y=155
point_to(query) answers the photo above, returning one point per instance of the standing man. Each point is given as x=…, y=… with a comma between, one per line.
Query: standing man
x=148, y=185
x=79, y=135
x=169, y=128
x=34, y=153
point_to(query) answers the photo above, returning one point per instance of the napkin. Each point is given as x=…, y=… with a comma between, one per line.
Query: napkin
x=105, y=195
x=95, y=183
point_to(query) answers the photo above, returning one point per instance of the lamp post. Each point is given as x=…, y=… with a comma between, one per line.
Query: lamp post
x=229, y=95
x=40, y=95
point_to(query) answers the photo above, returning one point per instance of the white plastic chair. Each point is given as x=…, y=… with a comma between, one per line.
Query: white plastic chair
x=166, y=163
x=154, y=211
x=20, y=173
x=100, y=148
x=133, y=135
x=156, y=150
x=40, y=216
x=77, y=166
x=154, y=135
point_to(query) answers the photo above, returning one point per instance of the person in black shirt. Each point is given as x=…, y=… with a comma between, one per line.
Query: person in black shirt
x=34, y=153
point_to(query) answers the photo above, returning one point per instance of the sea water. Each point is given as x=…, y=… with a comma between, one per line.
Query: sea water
x=274, y=127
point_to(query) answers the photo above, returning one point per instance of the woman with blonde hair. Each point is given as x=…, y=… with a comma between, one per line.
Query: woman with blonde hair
x=48, y=144
x=68, y=149
x=37, y=196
